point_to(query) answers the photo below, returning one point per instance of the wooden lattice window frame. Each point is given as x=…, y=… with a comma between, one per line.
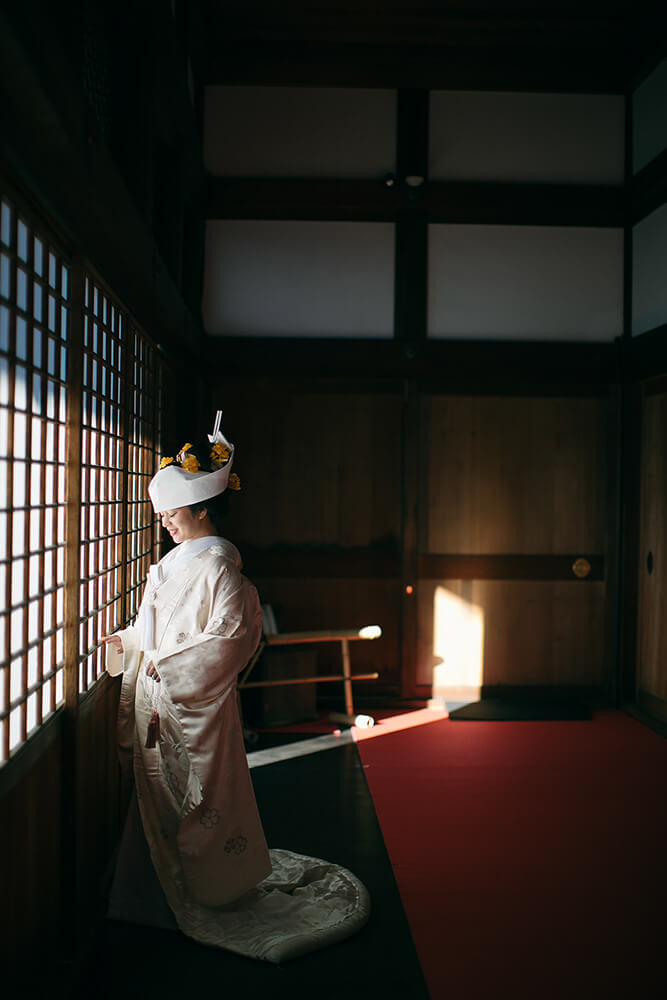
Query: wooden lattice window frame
x=79, y=436
x=35, y=312
x=119, y=429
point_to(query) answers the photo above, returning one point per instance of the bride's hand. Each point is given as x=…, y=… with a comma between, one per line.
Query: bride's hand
x=151, y=671
x=114, y=641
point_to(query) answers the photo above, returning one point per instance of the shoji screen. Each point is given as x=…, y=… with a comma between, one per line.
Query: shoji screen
x=57, y=318
x=34, y=354
x=120, y=429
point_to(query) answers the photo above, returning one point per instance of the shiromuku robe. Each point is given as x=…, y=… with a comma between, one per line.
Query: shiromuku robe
x=202, y=622
x=199, y=623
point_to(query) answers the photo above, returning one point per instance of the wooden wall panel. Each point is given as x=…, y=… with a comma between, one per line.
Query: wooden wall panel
x=514, y=475
x=525, y=477
x=302, y=604
x=520, y=476
x=318, y=521
x=53, y=872
x=652, y=627
x=318, y=467
x=100, y=813
x=522, y=633
x=31, y=856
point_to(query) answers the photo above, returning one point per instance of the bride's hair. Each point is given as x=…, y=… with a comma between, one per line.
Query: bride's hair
x=216, y=508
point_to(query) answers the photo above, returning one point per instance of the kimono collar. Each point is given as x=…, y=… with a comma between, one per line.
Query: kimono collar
x=186, y=551
x=168, y=571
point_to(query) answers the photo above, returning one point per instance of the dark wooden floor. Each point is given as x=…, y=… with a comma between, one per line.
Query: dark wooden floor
x=318, y=805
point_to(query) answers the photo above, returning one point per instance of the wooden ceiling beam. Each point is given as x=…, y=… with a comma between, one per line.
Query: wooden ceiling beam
x=562, y=69
x=303, y=199
x=459, y=366
x=443, y=201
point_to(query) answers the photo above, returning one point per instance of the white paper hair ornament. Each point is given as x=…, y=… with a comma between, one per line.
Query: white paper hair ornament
x=175, y=486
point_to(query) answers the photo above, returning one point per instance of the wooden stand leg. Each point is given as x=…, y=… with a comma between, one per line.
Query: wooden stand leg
x=347, y=678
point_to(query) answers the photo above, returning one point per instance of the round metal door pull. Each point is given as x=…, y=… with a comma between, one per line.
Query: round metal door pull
x=581, y=568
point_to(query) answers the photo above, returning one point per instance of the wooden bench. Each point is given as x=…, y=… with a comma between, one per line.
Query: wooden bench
x=271, y=637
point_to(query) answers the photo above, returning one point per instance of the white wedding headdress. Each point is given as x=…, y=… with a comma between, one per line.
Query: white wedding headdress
x=181, y=480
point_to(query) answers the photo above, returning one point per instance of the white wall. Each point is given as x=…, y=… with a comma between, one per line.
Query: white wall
x=649, y=237
x=558, y=138
x=649, y=272
x=299, y=279
x=325, y=279
x=525, y=282
x=649, y=117
x=299, y=132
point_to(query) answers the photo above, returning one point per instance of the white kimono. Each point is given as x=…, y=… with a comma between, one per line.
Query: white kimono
x=200, y=622
x=194, y=791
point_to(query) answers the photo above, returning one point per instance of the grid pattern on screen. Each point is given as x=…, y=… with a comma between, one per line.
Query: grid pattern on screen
x=102, y=478
x=119, y=433
x=143, y=427
x=35, y=279
x=56, y=318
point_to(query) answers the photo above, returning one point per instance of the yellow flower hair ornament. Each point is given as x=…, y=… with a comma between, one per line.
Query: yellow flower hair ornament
x=189, y=463
x=220, y=454
x=234, y=482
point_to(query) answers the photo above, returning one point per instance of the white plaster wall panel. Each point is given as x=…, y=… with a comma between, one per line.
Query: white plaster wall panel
x=299, y=132
x=525, y=282
x=557, y=138
x=649, y=117
x=299, y=279
x=649, y=272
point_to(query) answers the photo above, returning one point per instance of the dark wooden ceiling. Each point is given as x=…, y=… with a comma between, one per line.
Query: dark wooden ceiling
x=551, y=45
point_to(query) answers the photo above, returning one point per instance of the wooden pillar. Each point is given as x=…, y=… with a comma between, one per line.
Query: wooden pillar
x=410, y=321
x=629, y=463
x=69, y=927
x=411, y=263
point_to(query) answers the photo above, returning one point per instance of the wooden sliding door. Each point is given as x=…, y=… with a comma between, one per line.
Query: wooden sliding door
x=513, y=543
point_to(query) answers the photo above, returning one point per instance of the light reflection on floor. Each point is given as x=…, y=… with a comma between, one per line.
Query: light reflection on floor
x=300, y=748
x=327, y=741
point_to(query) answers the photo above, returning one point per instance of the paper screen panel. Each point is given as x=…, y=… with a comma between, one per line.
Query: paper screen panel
x=35, y=280
x=144, y=423
x=102, y=454
x=119, y=435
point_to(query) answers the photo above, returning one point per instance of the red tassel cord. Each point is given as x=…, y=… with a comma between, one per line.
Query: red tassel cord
x=153, y=731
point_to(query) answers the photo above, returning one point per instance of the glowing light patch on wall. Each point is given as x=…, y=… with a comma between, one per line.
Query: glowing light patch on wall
x=458, y=641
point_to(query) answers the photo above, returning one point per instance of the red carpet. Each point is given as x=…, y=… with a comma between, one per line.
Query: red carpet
x=531, y=857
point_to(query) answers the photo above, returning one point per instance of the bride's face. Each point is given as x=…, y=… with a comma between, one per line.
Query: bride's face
x=182, y=524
